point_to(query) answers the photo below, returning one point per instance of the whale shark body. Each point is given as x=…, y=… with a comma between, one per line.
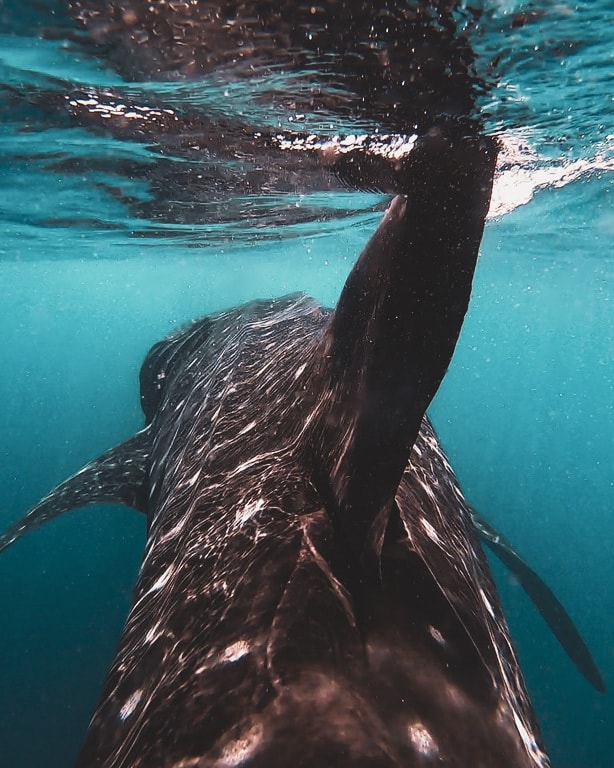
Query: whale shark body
x=313, y=591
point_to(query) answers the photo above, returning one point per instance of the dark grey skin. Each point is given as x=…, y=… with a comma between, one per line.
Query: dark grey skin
x=313, y=591
x=310, y=593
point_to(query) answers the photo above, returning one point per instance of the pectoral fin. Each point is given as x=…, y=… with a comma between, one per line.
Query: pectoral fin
x=553, y=613
x=118, y=476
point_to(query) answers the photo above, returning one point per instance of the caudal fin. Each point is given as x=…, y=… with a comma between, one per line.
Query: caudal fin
x=392, y=335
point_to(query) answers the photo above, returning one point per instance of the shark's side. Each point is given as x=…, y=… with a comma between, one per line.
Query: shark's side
x=313, y=591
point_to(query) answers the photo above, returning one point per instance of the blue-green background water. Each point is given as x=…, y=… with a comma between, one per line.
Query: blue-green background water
x=526, y=411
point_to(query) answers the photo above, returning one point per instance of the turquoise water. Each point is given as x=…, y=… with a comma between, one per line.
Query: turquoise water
x=101, y=255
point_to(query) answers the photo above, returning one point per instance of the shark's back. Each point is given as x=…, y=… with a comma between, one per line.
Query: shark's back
x=251, y=640
x=312, y=590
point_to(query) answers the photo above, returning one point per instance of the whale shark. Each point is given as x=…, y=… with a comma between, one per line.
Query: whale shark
x=313, y=590
x=306, y=595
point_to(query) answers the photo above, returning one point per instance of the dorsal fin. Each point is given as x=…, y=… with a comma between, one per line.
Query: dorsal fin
x=118, y=476
x=546, y=602
x=392, y=335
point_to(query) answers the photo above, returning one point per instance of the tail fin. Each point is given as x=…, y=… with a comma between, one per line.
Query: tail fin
x=391, y=338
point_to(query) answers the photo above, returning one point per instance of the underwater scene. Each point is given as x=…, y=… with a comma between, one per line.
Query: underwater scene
x=163, y=161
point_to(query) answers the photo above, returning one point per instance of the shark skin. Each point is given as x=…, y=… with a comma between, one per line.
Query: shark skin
x=313, y=590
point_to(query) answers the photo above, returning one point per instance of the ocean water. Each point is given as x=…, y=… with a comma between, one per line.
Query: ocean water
x=111, y=238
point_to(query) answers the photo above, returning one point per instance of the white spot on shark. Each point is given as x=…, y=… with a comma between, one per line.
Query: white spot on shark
x=429, y=530
x=161, y=580
x=240, y=750
x=486, y=601
x=422, y=740
x=437, y=636
x=248, y=428
x=192, y=480
x=131, y=704
x=235, y=651
x=153, y=633
x=248, y=511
